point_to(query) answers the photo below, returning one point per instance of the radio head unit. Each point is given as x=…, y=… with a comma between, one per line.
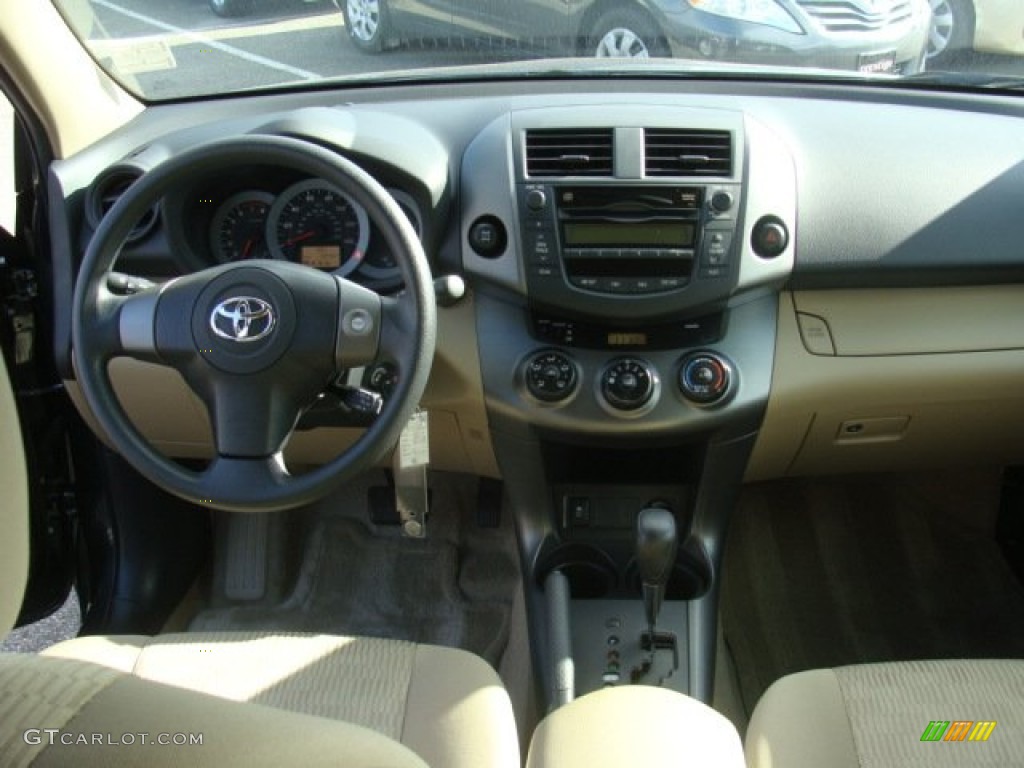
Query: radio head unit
x=582, y=242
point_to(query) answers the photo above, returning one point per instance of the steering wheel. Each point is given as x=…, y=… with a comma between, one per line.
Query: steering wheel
x=257, y=341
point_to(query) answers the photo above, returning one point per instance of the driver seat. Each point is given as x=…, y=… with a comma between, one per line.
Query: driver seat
x=254, y=699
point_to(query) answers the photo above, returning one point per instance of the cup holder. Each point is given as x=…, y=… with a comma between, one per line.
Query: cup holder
x=590, y=572
x=690, y=578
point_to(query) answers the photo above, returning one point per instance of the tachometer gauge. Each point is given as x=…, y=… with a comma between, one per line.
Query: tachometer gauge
x=239, y=229
x=313, y=223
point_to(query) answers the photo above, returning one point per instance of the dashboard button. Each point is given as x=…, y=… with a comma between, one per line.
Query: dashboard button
x=487, y=237
x=628, y=384
x=550, y=376
x=536, y=199
x=770, y=237
x=704, y=378
x=544, y=271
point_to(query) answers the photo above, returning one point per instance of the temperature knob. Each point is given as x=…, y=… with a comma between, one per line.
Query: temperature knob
x=550, y=376
x=704, y=378
x=627, y=384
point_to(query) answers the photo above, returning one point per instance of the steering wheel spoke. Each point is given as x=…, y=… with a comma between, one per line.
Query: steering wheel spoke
x=360, y=316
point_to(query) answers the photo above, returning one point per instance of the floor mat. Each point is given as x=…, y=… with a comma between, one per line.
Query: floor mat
x=826, y=573
x=454, y=588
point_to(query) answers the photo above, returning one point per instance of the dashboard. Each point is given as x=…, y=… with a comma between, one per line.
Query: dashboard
x=714, y=260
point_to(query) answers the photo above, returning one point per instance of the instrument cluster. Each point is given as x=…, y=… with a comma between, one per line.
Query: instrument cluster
x=305, y=220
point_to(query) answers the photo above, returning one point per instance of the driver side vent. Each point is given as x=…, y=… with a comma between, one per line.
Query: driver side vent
x=674, y=152
x=570, y=152
x=106, y=191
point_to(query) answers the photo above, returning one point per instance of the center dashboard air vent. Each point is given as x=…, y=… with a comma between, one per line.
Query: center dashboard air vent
x=107, y=190
x=682, y=152
x=570, y=152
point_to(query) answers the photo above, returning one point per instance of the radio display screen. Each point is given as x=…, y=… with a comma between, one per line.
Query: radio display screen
x=632, y=234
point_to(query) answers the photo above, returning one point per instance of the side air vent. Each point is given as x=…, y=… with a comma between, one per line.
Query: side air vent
x=674, y=152
x=107, y=190
x=570, y=152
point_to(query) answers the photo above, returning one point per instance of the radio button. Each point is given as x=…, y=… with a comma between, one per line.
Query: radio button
x=589, y=283
x=536, y=199
x=713, y=272
x=721, y=201
x=607, y=253
x=715, y=250
x=544, y=272
x=669, y=283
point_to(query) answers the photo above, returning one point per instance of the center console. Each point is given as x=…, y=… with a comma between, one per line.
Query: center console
x=626, y=271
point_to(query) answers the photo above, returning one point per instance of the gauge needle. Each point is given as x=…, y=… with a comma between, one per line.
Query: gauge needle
x=247, y=248
x=299, y=238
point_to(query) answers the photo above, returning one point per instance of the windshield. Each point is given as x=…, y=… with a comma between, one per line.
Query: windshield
x=169, y=49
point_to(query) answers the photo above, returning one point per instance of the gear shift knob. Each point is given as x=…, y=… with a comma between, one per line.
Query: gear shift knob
x=656, y=543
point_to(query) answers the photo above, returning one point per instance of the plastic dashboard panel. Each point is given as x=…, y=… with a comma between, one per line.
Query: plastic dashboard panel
x=861, y=166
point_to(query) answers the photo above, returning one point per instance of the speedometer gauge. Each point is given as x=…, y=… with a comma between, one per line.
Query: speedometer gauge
x=239, y=227
x=313, y=223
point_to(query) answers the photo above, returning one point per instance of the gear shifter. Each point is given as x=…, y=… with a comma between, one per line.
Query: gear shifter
x=656, y=542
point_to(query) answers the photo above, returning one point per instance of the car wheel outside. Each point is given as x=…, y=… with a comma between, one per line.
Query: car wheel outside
x=951, y=32
x=367, y=25
x=626, y=33
x=228, y=8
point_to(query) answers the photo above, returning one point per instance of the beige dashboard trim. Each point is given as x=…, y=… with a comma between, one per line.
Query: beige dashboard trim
x=76, y=101
x=915, y=321
x=923, y=410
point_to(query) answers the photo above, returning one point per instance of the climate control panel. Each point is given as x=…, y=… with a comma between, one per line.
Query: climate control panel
x=626, y=386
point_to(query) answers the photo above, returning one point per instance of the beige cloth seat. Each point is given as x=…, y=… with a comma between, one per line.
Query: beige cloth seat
x=255, y=699
x=876, y=715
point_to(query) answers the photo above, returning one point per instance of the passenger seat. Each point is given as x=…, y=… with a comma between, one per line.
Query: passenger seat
x=901, y=714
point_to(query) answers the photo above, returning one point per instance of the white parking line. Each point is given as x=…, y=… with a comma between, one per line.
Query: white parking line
x=197, y=37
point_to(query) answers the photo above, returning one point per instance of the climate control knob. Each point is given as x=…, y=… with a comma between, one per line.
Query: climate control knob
x=704, y=378
x=628, y=384
x=550, y=376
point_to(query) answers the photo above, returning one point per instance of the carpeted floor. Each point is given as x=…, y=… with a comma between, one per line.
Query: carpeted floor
x=823, y=573
x=453, y=588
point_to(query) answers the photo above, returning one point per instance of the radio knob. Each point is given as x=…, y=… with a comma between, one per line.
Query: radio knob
x=721, y=201
x=704, y=378
x=550, y=376
x=536, y=199
x=627, y=384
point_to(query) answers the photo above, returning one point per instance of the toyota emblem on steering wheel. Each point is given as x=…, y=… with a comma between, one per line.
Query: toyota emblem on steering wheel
x=243, y=319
